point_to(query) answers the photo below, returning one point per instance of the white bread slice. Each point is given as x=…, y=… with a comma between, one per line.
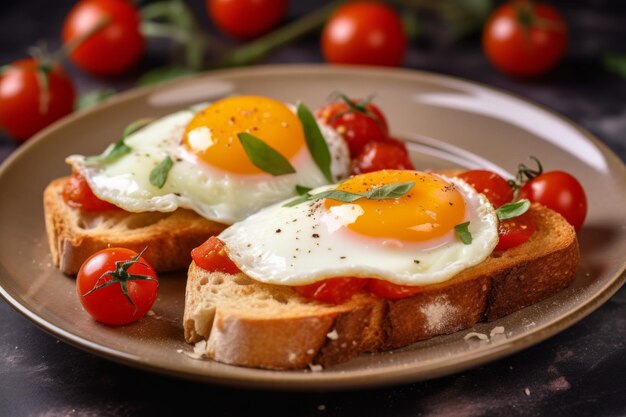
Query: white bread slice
x=248, y=323
x=75, y=234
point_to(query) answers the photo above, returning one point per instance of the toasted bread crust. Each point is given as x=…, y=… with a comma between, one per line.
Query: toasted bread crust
x=286, y=331
x=74, y=235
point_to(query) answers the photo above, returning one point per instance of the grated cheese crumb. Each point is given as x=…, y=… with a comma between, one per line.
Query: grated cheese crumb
x=316, y=368
x=480, y=336
x=333, y=335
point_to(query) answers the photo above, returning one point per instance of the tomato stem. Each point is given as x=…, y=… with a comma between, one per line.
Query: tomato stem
x=259, y=48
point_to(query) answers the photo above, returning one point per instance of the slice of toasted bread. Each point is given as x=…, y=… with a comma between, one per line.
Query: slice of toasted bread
x=248, y=323
x=75, y=234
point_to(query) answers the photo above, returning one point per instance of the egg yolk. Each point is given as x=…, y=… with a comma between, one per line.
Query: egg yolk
x=432, y=208
x=212, y=133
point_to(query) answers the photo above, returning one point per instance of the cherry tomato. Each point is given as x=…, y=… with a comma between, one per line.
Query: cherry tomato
x=388, y=154
x=513, y=232
x=112, y=49
x=332, y=290
x=525, y=39
x=246, y=19
x=26, y=104
x=560, y=192
x=356, y=122
x=211, y=256
x=130, y=296
x=391, y=291
x=78, y=194
x=365, y=33
x=493, y=186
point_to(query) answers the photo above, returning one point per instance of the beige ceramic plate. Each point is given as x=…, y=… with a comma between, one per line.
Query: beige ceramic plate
x=448, y=123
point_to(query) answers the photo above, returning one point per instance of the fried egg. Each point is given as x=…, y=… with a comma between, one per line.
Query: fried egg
x=409, y=240
x=211, y=172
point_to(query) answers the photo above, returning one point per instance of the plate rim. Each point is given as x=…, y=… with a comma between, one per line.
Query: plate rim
x=317, y=381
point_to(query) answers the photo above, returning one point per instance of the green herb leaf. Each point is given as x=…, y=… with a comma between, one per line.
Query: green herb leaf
x=95, y=97
x=115, y=152
x=135, y=126
x=463, y=233
x=510, y=210
x=395, y=190
x=616, y=63
x=158, y=175
x=388, y=191
x=301, y=190
x=112, y=154
x=299, y=200
x=315, y=141
x=264, y=156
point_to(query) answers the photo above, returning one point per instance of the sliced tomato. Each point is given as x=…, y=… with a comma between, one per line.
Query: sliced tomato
x=78, y=194
x=513, y=232
x=391, y=291
x=211, y=256
x=332, y=290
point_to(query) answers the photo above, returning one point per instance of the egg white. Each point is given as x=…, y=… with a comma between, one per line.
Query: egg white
x=306, y=243
x=212, y=193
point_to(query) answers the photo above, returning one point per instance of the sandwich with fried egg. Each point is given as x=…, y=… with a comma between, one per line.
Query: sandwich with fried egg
x=169, y=184
x=377, y=262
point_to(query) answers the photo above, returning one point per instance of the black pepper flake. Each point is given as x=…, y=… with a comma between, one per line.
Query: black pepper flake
x=315, y=235
x=415, y=261
x=278, y=230
x=342, y=257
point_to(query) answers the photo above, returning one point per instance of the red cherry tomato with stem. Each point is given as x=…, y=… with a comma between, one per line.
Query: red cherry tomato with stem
x=116, y=286
x=33, y=94
x=246, y=19
x=493, y=186
x=364, y=33
x=559, y=191
x=525, y=39
x=108, y=36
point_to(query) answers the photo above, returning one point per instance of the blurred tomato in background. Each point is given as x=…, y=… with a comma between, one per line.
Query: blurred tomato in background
x=246, y=19
x=104, y=36
x=366, y=33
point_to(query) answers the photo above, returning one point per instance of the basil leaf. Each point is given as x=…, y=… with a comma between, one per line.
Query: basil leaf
x=135, y=126
x=510, y=210
x=396, y=190
x=112, y=154
x=158, y=175
x=463, y=233
x=264, y=156
x=315, y=141
x=338, y=195
x=296, y=201
x=120, y=148
x=301, y=190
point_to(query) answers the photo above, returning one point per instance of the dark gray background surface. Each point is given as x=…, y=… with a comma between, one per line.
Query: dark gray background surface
x=581, y=371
